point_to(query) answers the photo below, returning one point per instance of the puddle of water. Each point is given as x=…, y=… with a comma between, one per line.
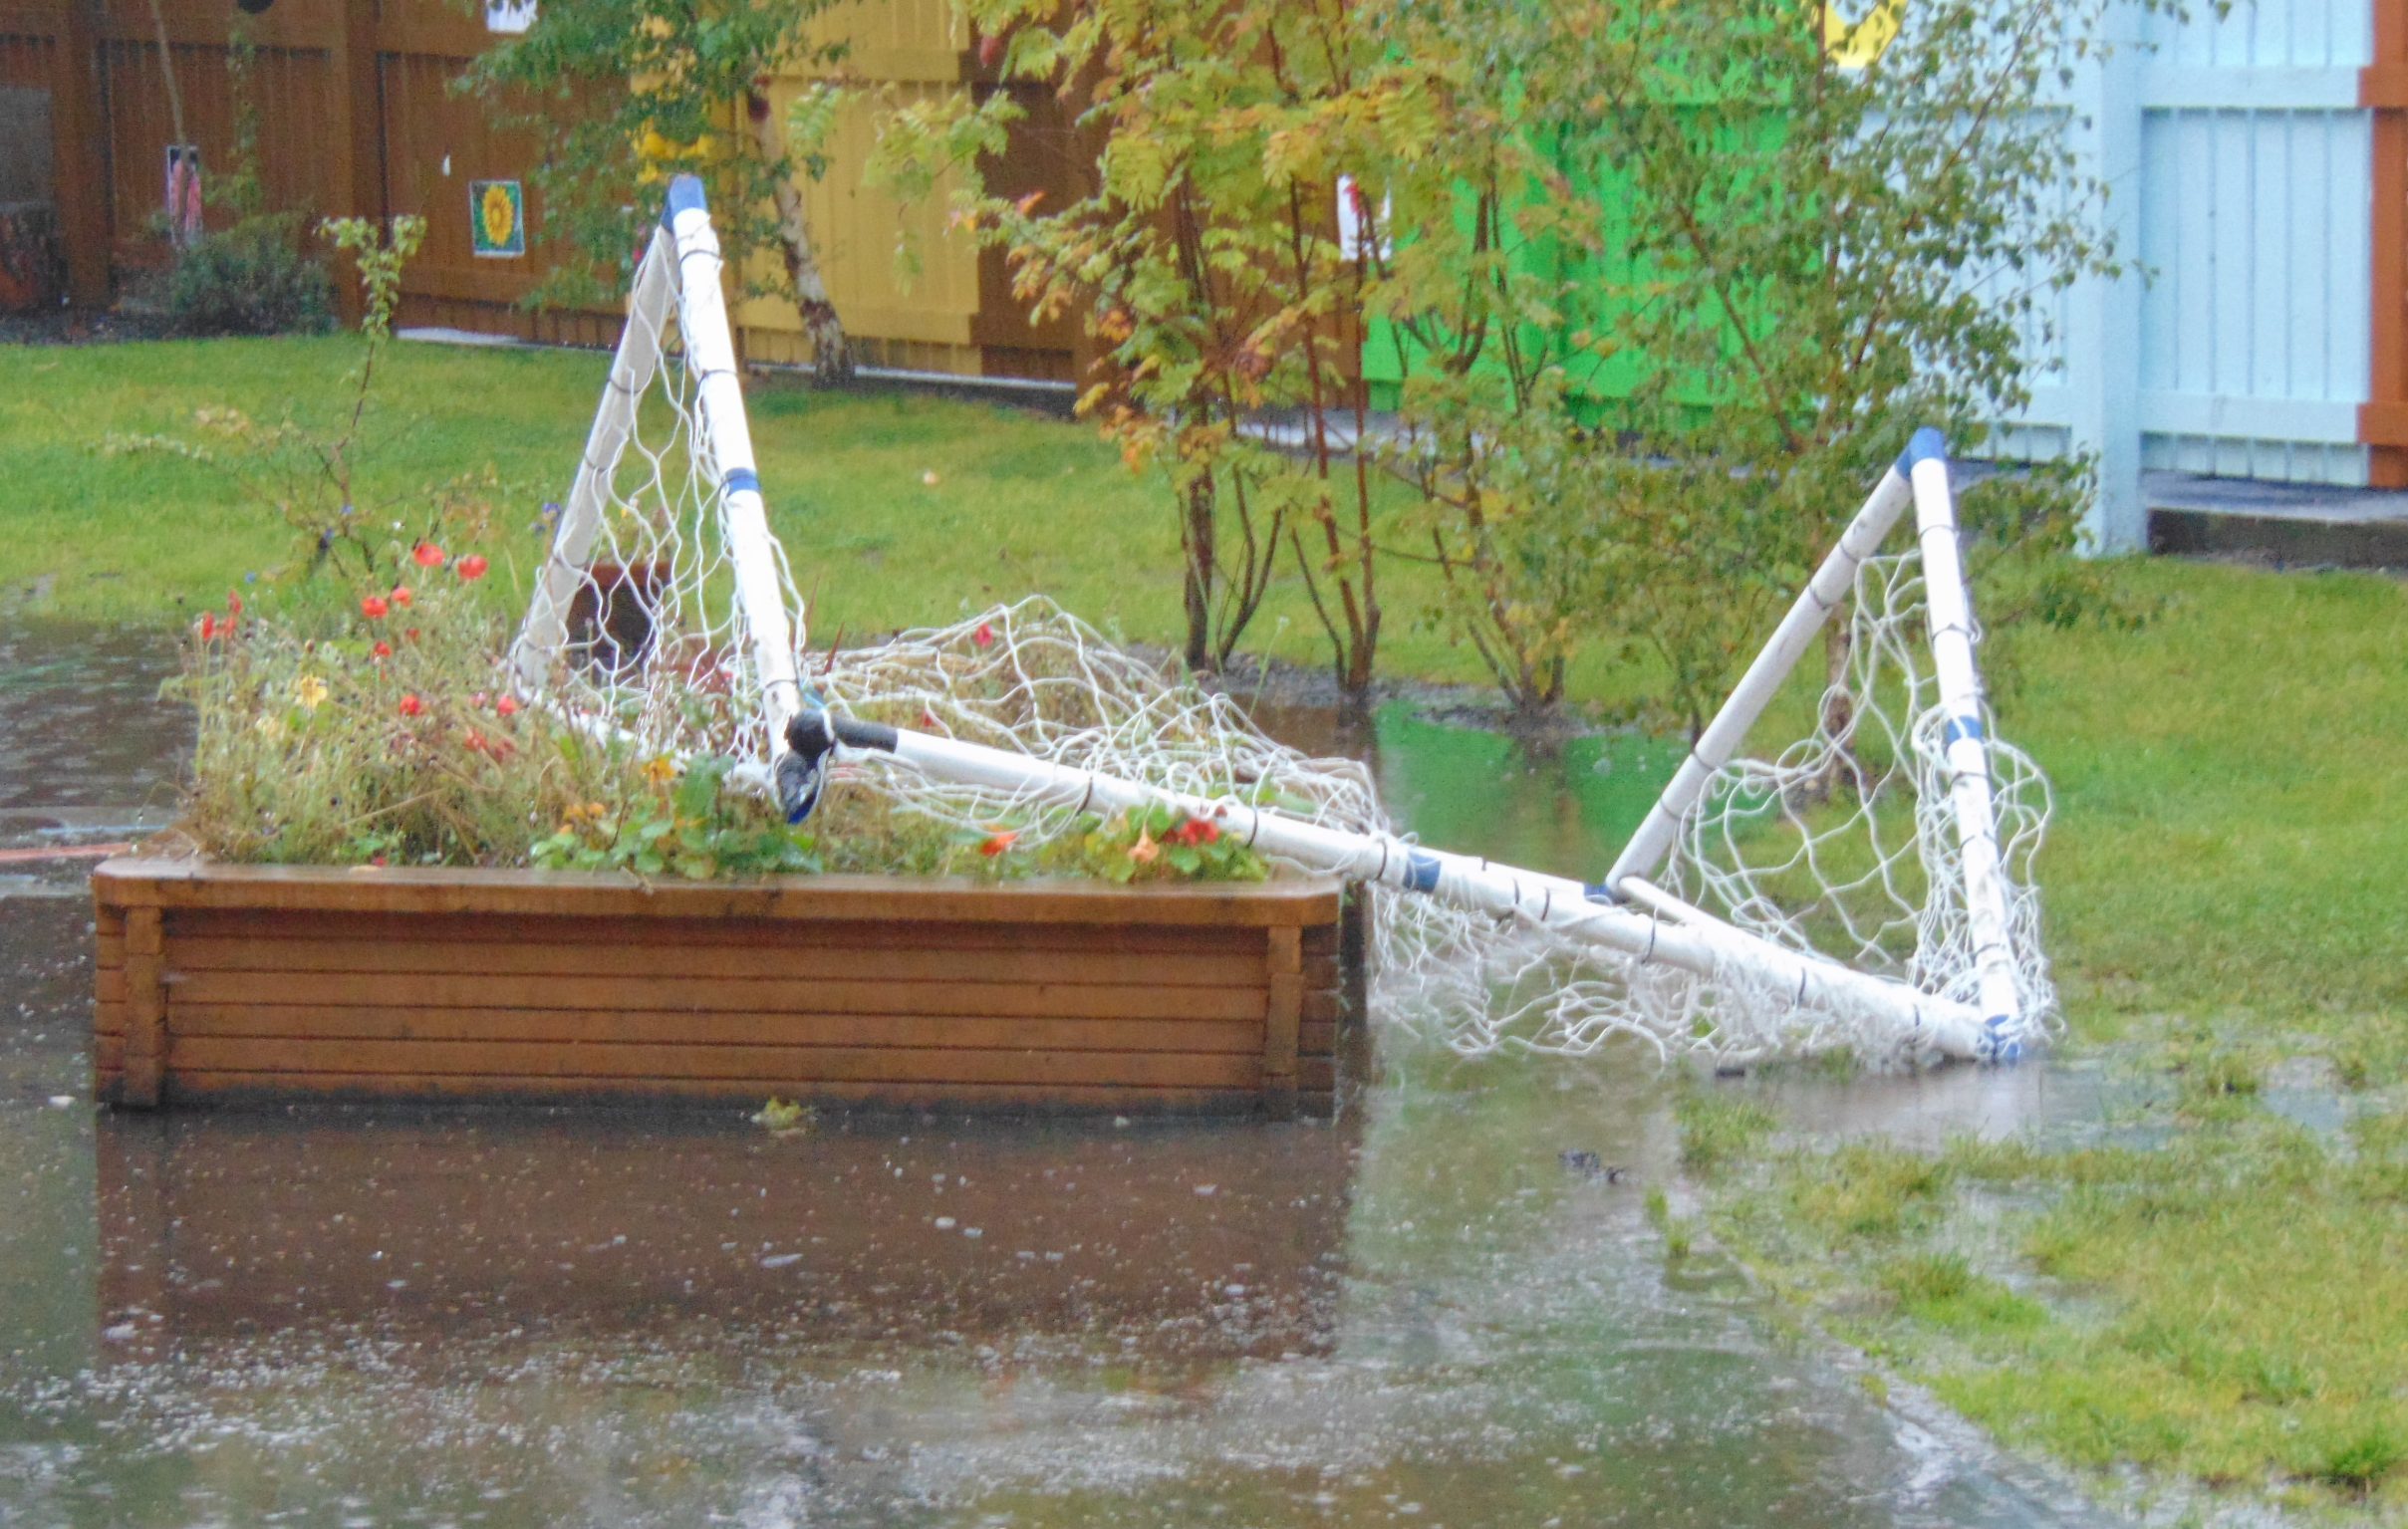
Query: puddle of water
x=1448, y=1309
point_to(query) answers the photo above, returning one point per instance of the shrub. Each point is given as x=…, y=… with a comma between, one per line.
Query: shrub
x=250, y=279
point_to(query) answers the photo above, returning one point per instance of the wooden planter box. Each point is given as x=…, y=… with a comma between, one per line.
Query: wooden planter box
x=259, y=983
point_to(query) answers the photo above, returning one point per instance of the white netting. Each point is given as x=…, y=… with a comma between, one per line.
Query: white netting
x=649, y=634
x=1841, y=844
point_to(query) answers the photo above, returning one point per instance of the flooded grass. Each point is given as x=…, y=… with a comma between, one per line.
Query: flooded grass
x=2176, y=1249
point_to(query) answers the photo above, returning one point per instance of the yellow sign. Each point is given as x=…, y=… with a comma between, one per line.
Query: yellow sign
x=1855, y=43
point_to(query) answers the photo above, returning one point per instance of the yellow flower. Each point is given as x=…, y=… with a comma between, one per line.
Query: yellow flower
x=310, y=691
x=660, y=771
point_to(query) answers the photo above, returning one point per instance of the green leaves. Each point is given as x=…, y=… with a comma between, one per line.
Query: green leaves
x=691, y=824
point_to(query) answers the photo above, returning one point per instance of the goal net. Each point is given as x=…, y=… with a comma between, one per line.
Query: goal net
x=1866, y=888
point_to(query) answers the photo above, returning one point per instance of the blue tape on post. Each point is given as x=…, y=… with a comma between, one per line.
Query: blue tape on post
x=742, y=481
x=1996, y=1044
x=684, y=195
x=1962, y=727
x=1420, y=872
x=1928, y=445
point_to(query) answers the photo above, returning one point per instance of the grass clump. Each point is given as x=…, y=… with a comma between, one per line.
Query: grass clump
x=1716, y=1130
x=1865, y=1189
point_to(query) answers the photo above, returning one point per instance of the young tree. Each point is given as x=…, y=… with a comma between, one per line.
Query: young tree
x=627, y=94
x=1205, y=265
x=1826, y=228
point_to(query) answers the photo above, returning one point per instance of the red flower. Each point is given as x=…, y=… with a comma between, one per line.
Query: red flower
x=506, y=707
x=382, y=650
x=411, y=707
x=374, y=608
x=208, y=625
x=997, y=842
x=474, y=743
x=472, y=568
x=233, y=604
x=412, y=633
x=1202, y=830
x=402, y=595
x=427, y=555
x=984, y=636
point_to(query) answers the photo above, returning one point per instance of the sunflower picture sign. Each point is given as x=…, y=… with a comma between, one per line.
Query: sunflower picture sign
x=497, y=219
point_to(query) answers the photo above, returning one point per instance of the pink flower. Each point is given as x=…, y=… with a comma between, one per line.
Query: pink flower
x=472, y=568
x=374, y=608
x=984, y=636
x=427, y=555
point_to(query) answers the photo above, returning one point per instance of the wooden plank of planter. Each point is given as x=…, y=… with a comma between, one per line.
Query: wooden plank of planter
x=437, y=890
x=766, y=1067
x=278, y=1086
x=899, y=935
x=252, y=1021
x=1280, y=1024
x=145, y=999
x=416, y=954
x=471, y=990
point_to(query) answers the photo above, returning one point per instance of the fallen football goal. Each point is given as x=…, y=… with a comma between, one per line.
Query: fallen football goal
x=1865, y=885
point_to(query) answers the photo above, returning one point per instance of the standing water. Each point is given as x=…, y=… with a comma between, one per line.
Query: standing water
x=1448, y=1309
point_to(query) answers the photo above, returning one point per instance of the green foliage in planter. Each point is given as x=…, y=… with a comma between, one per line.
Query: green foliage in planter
x=690, y=826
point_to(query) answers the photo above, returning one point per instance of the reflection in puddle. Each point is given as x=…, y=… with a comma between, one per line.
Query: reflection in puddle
x=1447, y=1309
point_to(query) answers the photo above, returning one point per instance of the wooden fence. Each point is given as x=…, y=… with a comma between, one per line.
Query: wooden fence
x=357, y=116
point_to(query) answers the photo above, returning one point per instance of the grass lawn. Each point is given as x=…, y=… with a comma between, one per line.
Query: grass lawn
x=1020, y=502
x=2222, y=1298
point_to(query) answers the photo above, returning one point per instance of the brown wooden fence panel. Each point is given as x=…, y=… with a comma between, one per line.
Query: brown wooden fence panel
x=358, y=116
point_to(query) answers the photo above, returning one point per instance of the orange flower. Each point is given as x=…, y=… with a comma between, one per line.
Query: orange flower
x=374, y=608
x=472, y=568
x=411, y=707
x=1145, y=851
x=998, y=842
x=427, y=555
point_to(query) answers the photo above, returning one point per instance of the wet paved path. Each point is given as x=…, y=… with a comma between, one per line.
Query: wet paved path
x=1418, y=1316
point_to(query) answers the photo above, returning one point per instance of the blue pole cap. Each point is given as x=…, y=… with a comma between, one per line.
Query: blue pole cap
x=1928, y=445
x=684, y=195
